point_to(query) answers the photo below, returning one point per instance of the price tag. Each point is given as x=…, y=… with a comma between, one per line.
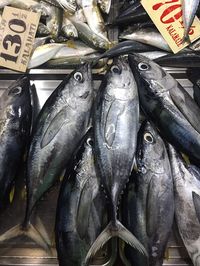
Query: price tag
x=167, y=16
x=17, y=33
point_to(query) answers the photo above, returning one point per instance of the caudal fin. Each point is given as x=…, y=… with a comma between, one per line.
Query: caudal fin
x=31, y=232
x=117, y=230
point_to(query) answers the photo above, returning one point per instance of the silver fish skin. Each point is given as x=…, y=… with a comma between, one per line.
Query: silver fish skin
x=68, y=29
x=94, y=18
x=187, y=203
x=167, y=105
x=68, y=5
x=15, y=125
x=148, y=36
x=54, y=20
x=148, y=203
x=189, y=8
x=81, y=209
x=116, y=122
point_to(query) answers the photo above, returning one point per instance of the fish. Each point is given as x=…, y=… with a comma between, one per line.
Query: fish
x=104, y=5
x=90, y=38
x=70, y=62
x=153, y=55
x=15, y=125
x=81, y=208
x=183, y=59
x=126, y=47
x=35, y=103
x=148, y=202
x=148, y=36
x=94, y=19
x=61, y=124
x=167, y=105
x=68, y=29
x=73, y=49
x=54, y=21
x=68, y=5
x=78, y=16
x=193, y=75
x=189, y=9
x=44, y=53
x=115, y=122
x=187, y=203
x=39, y=41
x=133, y=14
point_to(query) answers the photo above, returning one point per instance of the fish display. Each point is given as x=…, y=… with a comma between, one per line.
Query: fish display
x=81, y=212
x=187, y=199
x=159, y=102
x=116, y=122
x=148, y=203
x=15, y=125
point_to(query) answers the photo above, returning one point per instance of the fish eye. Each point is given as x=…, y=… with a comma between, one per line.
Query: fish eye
x=78, y=76
x=143, y=66
x=89, y=142
x=15, y=91
x=116, y=69
x=148, y=137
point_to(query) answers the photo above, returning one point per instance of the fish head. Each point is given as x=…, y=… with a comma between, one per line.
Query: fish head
x=120, y=81
x=16, y=99
x=151, y=151
x=81, y=87
x=147, y=72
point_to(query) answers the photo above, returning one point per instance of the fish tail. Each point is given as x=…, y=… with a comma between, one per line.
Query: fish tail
x=115, y=229
x=186, y=38
x=30, y=231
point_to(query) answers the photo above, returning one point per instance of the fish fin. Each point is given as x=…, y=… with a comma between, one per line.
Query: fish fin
x=117, y=230
x=56, y=124
x=83, y=212
x=152, y=203
x=30, y=232
x=196, y=200
x=111, y=122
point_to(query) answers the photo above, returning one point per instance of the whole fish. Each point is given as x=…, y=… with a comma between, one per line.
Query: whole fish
x=61, y=124
x=15, y=117
x=189, y=8
x=68, y=28
x=193, y=75
x=73, y=49
x=183, y=59
x=94, y=18
x=166, y=103
x=148, y=205
x=116, y=122
x=44, y=53
x=150, y=36
x=187, y=203
x=90, y=38
x=133, y=14
x=105, y=5
x=81, y=212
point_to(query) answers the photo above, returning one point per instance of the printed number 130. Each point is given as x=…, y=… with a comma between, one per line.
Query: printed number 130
x=12, y=42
